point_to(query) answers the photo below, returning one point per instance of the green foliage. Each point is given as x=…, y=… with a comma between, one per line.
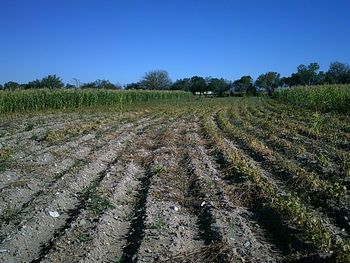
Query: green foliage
x=100, y=84
x=51, y=82
x=133, y=85
x=182, y=84
x=158, y=224
x=338, y=73
x=268, y=81
x=29, y=127
x=317, y=122
x=218, y=86
x=198, y=84
x=245, y=85
x=43, y=99
x=156, y=80
x=5, y=155
x=97, y=204
x=323, y=98
x=11, y=85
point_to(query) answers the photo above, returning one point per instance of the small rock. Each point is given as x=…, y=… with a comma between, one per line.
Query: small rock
x=54, y=214
x=175, y=208
x=82, y=222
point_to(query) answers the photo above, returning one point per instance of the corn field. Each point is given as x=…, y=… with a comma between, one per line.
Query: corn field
x=323, y=98
x=36, y=100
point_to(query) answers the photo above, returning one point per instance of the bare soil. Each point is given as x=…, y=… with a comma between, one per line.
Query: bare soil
x=138, y=188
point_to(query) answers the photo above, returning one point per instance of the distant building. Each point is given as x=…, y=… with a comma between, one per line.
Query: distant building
x=205, y=93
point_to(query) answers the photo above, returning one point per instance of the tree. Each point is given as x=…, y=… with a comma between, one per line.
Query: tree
x=1, y=87
x=70, y=86
x=244, y=85
x=100, y=84
x=286, y=81
x=76, y=82
x=181, y=84
x=104, y=84
x=338, y=73
x=133, y=85
x=268, y=81
x=321, y=78
x=218, y=86
x=11, y=85
x=88, y=85
x=156, y=80
x=198, y=84
x=305, y=75
x=52, y=82
x=35, y=84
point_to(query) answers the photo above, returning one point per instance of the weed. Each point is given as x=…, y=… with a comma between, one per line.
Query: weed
x=35, y=137
x=29, y=127
x=158, y=224
x=83, y=237
x=317, y=123
x=5, y=156
x=96, y=203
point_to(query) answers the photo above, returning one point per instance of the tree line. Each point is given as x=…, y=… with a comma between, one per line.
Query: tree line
x=55, y=82
x=337, y=73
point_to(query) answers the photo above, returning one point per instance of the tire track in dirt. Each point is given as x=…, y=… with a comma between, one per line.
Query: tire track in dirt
x=42, y=227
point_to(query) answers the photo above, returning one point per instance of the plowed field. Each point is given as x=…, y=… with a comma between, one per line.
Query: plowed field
x=220, y=180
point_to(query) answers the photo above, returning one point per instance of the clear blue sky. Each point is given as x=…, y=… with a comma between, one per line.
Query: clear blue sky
x=121, y=40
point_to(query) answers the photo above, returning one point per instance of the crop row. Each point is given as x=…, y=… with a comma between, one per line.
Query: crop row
x=283, y=131
x=324, y=98
x=34, y=100
x=288, y=206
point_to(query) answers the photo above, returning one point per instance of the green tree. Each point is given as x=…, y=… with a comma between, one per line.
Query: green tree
x=306, y=75
x=181, y=84
x=11, y=85
x=70, y=86
x=268, y=81
x=198, y=84
x=52, y=82
x=88, y=85
x=244, y=85
x=156, y=80
x=134, y=85
x=338, y=73
x=218, y=86
x=105, y=84
x=35, y=84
